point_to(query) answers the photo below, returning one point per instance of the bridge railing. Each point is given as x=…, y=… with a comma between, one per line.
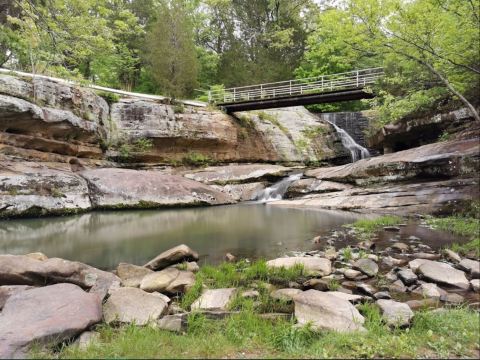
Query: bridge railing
x=314, y=85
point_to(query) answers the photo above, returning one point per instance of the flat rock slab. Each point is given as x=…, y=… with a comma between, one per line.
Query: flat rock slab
x=349, y=297
x=172, y=256
x=8, y=290
x=429, y=290
x=285, y=294
x=327, y=311
x=23, y=270
x=366, y=266
x=395, y=313
x=443, y=273
x=312, y=265
x=214, y=300
x=43, y=315
x=470, y=266
x=407, y=276
x=132, y=305
x=132, y=275
x=170, y=280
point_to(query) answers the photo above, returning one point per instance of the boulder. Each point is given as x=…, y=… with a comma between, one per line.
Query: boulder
x=285, y=294
x=46, y=315
x=8, y=290
x=349, y=297
x=366, y=289
x=452, y=299
x=169, y=280
x=422, y=304
x=176, y=322
x=407, y=276
x=37, y=256
x=395, y=313
x=125, y=188
x=132, y=305
x=366, y=266
x=214, y=300
x=317, y=284
x=475, y=283
x=415, y=264
x=86, y=339
x=400, y=246
x=452, y=256
x=397, y=287
x=443, y=273
x=327, y=312
x=23, y=270
x=382, y=295
x=132, y=275
x=472, y=267
x=352, y=274
x=429, y=290
x=172, y=256
x=312, y=265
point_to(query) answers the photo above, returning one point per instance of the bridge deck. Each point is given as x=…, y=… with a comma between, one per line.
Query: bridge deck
x=322, y=89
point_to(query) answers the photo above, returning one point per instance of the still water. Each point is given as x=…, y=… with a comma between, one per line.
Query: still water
x=103, y=239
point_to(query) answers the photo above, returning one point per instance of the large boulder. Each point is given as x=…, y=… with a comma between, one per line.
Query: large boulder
x=124, y=188
x=132, y=275
x=8, y=290
x=170, y=280
x=132, y=305
x=214, y=300
x=327, y=311
x=443, y=274
x=395, y=313
x=23, y=270
x=44, y=315
x=172, y=256
x=312, y=265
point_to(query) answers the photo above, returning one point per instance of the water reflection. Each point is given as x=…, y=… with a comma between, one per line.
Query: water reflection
x=104, y=239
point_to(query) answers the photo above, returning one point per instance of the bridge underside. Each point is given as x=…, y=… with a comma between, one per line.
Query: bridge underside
x=307, y=99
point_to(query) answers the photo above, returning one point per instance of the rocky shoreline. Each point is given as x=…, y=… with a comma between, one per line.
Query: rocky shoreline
x=50, y=301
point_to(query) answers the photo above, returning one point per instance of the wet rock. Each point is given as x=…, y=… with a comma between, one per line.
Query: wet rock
x=382, y=295
x=23, y=270
x=214, y=300
x=470, y=266
x=366, y=266
x=314, y=266
x=172, y=256
x=452, y=299
x=132, y=275
x=395, y=313
x=407, y=276
x=422, y=304
x=452, y=256
x=49, y=314
x=427, y=256
x=400, y=246
x=475, y=283
x=132, y=305
x=354, y=299
x=230, y=258
x=352, y=274
x=429, y=290
x=366, y=289
x=443, y=273
x=397, y=287
x=285, y=294
x=169, y=280
x=391, y=228
x=8, y=290
x=326, y=311
x=176, y=323
x=86, y=339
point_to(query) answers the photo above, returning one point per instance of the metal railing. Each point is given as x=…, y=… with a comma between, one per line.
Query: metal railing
x=314, y=85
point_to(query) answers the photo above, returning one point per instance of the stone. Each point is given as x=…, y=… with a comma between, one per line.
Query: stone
x=407, y=276
x=391, y=262
x=366, y=266
x=230, y=258
x=452, y=299
x=286, y=295
x=366, y=289
x=422, y=304
x=427, y=256
x=214, y=300
x=37, y=256
x=133, y=306
x=23, y=270
x=395, y=313
x=352, y=274
x=330, y=253
x=354, y=299
x=452, y=255
x=373, y=257
x=391, y=228
x=325, y=311
x=317, y=284
x=429, y=290
x=176, y=322
x=400, y=246
x=172, y=256
x=191, y=266
x=250, y=294
x=86, y=339
x=397, y=287
x=175, y=308
x=46, y=315
x=312, y=265
x=169, y=280
x=131, y=275
x=382, y=295
x=415, y=264
x=8, y=290
x=472, y=267
x=391, y=276
x=443, y=273
x=475, y=283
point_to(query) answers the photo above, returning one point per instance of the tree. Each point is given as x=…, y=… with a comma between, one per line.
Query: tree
x=171, y=48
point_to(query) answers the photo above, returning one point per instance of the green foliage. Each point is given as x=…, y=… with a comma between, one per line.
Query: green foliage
x=196, y=159
x=271, y=118
x=302, y=145
x=313, y=132
x=365, y=228
x=445, y=136
x=110, y=98
x=138, y=146
x=179, y=108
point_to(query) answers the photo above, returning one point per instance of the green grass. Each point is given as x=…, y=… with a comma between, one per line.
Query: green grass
x=452, y=333
x=365, y=228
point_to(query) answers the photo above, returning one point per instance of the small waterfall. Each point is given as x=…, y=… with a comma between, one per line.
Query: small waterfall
x=357, y=151
x=277, y=190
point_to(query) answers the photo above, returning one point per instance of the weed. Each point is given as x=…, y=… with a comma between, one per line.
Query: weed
x=333, y=285
x=347, y=253
x=367, y=227
x=445, y=136
x=312, y=132
x=196, y=159
x=264, y=116
x=13, y=191
x=301, y=145
x=110, y=98
x=56, y=193
x=179, y=108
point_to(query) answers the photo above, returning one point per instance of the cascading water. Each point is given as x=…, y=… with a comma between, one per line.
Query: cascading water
x=277, y=190
x=357, y=151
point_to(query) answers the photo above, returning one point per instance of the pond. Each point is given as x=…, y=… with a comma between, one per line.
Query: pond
x=104, y=239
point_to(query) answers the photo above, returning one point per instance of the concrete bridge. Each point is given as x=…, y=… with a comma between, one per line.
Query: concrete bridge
x=316, y=90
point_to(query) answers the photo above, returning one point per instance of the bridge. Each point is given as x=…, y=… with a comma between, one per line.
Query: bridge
x=315, y=90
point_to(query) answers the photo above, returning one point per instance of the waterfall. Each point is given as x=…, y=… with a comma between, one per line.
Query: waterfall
x=357, y=151
x=277, y=190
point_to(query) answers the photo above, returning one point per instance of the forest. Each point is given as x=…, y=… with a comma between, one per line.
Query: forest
x=180, y=48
